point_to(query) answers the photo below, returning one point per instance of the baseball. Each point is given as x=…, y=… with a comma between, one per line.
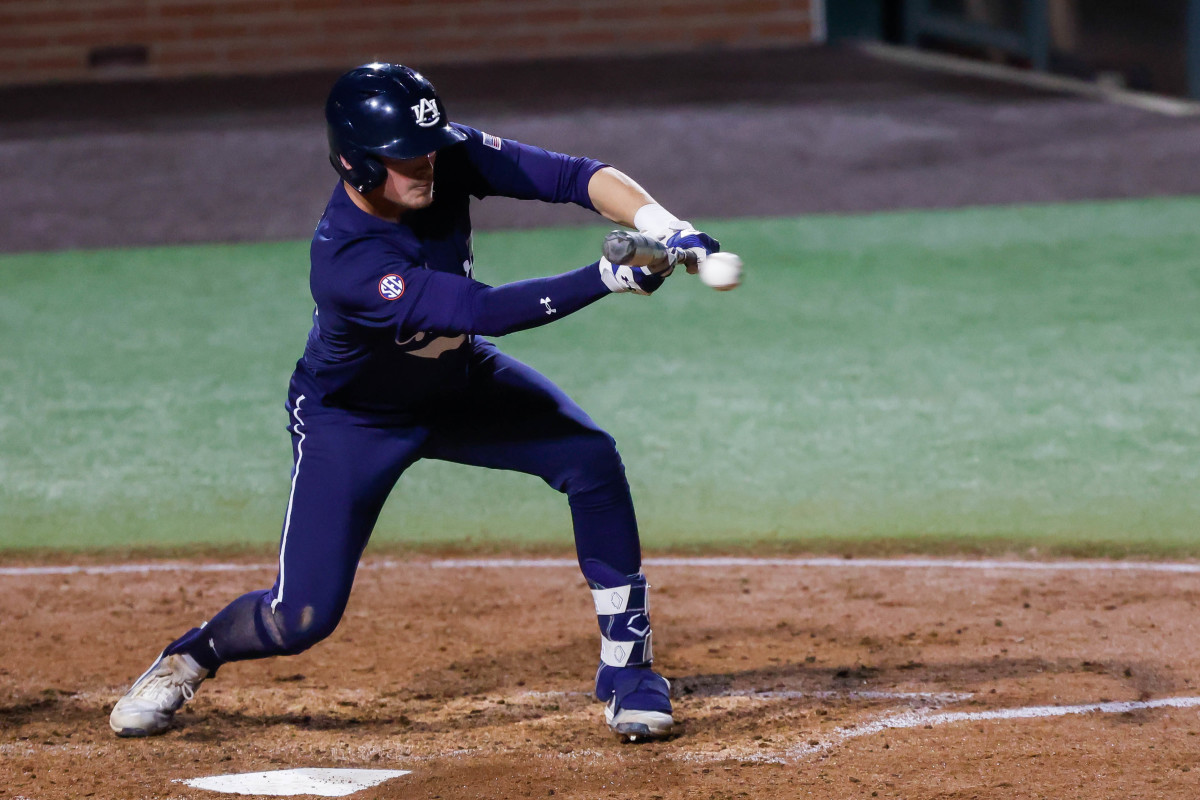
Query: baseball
x=721, y=271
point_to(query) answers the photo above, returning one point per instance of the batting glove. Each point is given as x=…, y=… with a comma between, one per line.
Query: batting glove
x=623, y=278
x=658, y=223
x=697, y=245
x=692, y=239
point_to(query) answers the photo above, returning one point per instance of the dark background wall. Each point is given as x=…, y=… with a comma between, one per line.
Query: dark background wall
x=1132, y=43
x=86, y=40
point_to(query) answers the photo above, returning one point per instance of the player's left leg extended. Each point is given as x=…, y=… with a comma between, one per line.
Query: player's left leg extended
x=516, y=419
x=342, y=472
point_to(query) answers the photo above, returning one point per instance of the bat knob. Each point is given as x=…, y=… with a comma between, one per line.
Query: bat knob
x=620, y=247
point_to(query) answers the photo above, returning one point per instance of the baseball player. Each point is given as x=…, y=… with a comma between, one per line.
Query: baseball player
x=396, y=368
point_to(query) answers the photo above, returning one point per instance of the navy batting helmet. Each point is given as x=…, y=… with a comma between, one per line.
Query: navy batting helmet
x=383, y=111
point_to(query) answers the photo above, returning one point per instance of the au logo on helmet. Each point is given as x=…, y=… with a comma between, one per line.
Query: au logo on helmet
x=426, y=112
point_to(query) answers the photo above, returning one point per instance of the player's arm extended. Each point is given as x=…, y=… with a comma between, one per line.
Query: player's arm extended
x=388, y=288
x=447, y=305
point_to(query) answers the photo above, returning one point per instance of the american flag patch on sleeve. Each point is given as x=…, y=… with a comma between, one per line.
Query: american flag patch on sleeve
x=491, y=141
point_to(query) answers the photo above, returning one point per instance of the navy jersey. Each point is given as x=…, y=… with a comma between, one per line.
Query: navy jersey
x=397, y=308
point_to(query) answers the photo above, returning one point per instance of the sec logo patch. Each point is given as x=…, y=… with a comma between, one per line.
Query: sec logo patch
x=391, y=287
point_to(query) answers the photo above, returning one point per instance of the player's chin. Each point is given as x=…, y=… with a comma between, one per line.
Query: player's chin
x=421, y=198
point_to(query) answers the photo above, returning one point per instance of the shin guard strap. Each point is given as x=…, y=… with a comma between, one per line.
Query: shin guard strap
x=627, y=654
x=623, y=612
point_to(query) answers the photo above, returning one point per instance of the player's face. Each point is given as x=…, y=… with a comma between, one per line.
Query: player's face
x=410, y=181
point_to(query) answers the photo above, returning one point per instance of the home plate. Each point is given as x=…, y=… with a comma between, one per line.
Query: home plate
x=289, y=782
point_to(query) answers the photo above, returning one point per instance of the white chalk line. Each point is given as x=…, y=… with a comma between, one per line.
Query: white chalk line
x=120, y=569
x=932, y=698
x=929, y=718
x=940, y=698
x=837, y=563
x=1181, y=568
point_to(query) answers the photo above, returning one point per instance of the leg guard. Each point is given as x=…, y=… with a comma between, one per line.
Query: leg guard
x=623, y=611
x=638, y=699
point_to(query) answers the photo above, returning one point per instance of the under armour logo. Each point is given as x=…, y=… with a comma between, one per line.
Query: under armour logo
x=427, y=113
x=546, y=302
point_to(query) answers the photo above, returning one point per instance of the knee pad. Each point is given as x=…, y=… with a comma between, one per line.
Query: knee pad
x=623, y=612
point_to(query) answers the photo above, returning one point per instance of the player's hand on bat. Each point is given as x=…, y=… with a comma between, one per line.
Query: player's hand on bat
x=685, y=244
x=625, y=278
x=698, y=245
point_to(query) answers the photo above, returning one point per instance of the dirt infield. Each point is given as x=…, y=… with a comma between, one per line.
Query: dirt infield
x=835, y=680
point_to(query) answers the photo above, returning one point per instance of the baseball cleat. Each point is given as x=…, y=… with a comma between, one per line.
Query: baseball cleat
x=639, y=706
x=632, y=725
x=150, y=704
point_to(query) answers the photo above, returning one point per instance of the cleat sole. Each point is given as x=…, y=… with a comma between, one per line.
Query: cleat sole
x=645, y=726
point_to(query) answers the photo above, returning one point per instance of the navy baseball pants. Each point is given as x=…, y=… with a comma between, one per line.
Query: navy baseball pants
x=346, y=464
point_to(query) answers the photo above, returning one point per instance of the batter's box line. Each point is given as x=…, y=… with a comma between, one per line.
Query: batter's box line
x=547, y=694
x=933, y=698
x=929, y=718
x=1182, y=568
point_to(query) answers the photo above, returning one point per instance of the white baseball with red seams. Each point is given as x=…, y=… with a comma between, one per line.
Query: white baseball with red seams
x=721, y=271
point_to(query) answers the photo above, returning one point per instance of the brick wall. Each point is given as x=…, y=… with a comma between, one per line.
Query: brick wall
x=80, y=40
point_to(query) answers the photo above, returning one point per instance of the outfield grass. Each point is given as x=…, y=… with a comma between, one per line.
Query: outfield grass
x=975, y=379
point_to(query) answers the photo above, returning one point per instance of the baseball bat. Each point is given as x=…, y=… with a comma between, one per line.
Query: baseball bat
x=639, y=250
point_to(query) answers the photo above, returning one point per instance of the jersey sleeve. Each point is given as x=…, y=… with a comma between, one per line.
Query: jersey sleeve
x=366, y=283
x=387, y=290
x=508, y=168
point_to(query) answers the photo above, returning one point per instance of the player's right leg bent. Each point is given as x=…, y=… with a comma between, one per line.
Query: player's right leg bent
x=342, y=472
x=525, y=423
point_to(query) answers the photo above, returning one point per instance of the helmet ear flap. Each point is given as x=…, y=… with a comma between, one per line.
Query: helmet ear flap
x=364, y=173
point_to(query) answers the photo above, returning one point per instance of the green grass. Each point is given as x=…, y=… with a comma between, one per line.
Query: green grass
x=981, y=379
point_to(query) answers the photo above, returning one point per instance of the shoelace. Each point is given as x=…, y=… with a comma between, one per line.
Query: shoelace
x=160, y=686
